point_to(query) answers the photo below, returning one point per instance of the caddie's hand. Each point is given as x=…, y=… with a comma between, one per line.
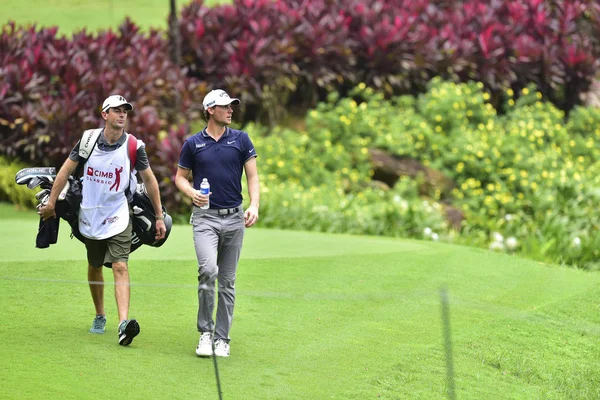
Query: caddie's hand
x=250, y=216
x=161, y=229
x=47, y=212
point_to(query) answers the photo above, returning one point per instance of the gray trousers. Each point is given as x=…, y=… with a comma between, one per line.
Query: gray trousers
x=218, y=241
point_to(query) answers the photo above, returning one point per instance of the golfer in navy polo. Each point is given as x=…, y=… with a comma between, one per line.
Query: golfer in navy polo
x=219, y=154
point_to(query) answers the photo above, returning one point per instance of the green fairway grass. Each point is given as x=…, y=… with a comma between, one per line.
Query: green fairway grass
x=317, y=317
x=93, y=15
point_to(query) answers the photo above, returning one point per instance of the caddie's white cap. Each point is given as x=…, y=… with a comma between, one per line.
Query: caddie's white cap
x=218, y=97
x=115, y=100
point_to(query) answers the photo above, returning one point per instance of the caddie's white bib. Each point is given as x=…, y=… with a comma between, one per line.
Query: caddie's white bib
x=104, y=209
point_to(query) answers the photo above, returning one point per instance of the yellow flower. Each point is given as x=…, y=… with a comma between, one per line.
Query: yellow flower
x=525, y=91
x=486, y=96
x=510, y=92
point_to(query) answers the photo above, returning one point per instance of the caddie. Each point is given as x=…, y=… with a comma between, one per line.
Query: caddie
x=105, y=215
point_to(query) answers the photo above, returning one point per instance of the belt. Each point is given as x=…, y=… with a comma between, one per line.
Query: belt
x=223, y=211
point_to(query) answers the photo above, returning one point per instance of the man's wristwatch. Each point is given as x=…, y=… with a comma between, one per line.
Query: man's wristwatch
x=160, y=217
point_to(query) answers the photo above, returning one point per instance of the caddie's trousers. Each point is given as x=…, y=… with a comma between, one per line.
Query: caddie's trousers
x=218, y=241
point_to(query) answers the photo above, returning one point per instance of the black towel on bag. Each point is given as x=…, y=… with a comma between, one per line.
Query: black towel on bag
x=47, y=233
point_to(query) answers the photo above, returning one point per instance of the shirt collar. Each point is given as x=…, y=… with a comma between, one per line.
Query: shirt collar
x=206, y=135
x=102, y=140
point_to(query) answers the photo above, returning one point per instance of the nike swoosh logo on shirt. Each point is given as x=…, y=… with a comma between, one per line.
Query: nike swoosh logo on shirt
x=233, y=141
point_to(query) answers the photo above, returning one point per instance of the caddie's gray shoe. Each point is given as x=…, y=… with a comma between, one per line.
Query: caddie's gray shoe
x=98, y=324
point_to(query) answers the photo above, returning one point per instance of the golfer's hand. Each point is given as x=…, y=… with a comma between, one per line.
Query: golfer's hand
x=200, y=199
x=47, y=212
x=250, y=216
x=161, y=229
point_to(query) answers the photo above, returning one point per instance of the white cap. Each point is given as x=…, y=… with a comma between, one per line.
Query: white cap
x=218, y=97
x=115, y=100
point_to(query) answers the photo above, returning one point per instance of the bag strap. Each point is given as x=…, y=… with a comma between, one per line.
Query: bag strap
x=86, y=146
x=132, y=150
x=88, y=142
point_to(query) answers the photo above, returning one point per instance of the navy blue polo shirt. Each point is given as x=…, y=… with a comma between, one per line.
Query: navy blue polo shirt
x=221, y=162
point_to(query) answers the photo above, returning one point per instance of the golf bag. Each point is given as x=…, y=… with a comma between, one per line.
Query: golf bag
x=69, y=201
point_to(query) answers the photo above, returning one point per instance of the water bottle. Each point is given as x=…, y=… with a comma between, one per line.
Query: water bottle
x=205, y=190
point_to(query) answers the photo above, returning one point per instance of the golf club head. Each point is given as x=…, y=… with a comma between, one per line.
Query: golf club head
x=40, y=195
x=141, y=189
x=34, y=182
x=43, y=201
x=33, y=177
x=47, y=182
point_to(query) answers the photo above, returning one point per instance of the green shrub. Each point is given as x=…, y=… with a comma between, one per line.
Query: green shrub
x=527, y=180
x=11, y=192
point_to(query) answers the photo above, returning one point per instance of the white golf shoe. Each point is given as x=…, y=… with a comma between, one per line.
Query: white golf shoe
x=221, y=348
x=204, y=348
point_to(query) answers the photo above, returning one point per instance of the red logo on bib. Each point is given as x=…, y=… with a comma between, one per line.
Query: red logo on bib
x=117, y=180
